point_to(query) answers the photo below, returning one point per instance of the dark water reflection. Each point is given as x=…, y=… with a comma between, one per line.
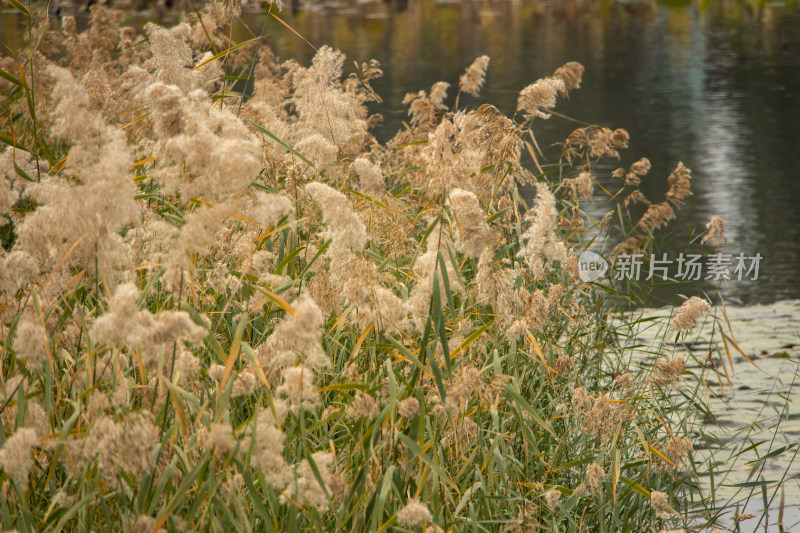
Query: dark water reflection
x=715, y=84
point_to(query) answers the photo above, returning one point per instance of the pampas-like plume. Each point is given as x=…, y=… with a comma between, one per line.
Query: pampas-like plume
x=298, y=388
x=716, y=233
x=414, y=513
x=268, y=209
x=16, y=457
x=581, y=187
x=571, y=74
x=660, y=504
x=203, y=152
x=371, y=177
x=473, y=231
x=679, y=182
x=345, y=229
x=268, y=441
x=425, y=268
x=306, y=488
x=124, y=322
x=472, y=80
x=690, y=312
x=96, y=178
x=322, y=106
x=116, y=446
x=541, y=246
x=172, y=58
x=538, y=96
x=297, y=337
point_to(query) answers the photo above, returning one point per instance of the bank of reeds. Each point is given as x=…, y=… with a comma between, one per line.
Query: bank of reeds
x=225, y=306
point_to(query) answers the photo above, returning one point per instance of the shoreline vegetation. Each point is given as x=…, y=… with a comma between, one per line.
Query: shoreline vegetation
x=225, y=306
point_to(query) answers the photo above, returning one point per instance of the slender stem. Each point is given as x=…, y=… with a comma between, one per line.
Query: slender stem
x=33, y=94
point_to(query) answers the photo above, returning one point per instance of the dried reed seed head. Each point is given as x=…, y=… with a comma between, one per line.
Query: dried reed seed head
x=421, y=110
x=551, y=497
x=660, y=504
x=270, y=208
x=575, y=224
x=233, y=7
x=595, y=476
x=636, y=197
x=408, y=407
x=715, y=236
x=537, y=312
x=370, y=176
x=564, y=365
x=146, y=524
x=473, y=231
x=604, y=222
x=319, y=150
x=640, y=167
x=624, y=381
x=538, y=96
x=297, y=334
x=245, y=383
x=667, y=373
x=571, y=74
x=541, y=246
x=414, y=513
x=620, y=138
x=595, y=142
x=602, y=418
x=344, y=227
x=216, y=372
x=677, y=449
x=690, y=313
x=472, y=80
x=298, y=388
x=581, y=187
x=220, y=439
x=362, y=406
x=581, y=400
x=16, y=455
x=466, y=384
x=679, y=182
x=439, y=93
x=30, y=342
x=168, y=105
x=657, y=216
x=306, y=488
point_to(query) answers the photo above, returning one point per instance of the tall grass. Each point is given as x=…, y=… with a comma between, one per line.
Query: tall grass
x=255, y=317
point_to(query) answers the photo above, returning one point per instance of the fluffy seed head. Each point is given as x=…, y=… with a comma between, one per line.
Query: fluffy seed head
x=716, y=233
x=472, y=80
x=414, y=513
x=660, y=504
x=538, y=96
x=690, y=312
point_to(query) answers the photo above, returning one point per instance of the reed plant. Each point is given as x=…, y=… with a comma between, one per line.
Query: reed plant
x=225, y=306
